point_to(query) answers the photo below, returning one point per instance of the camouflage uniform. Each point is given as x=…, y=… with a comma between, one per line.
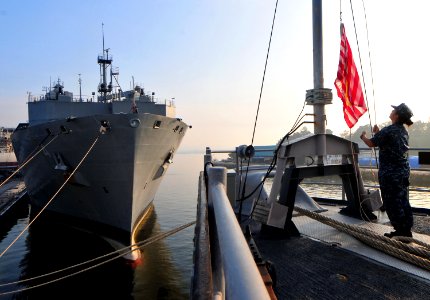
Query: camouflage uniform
x=394, y=173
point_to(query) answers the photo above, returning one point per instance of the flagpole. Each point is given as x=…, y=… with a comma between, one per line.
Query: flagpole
x=318, y=53
x=319, y=96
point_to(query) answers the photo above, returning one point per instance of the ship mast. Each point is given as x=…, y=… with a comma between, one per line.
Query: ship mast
x=80, y=87
x=318, y=96
x=104, y=61
x=289, y=174
x=318, y=65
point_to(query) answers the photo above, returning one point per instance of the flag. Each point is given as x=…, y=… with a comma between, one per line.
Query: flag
x=348, y=84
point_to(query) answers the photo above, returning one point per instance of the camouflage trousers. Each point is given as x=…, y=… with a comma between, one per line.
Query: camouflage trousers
x=394, y=192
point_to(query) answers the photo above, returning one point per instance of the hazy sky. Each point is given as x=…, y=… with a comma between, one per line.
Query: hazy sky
x=209, y=55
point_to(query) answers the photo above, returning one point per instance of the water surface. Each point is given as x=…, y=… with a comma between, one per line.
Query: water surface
x=166, y=268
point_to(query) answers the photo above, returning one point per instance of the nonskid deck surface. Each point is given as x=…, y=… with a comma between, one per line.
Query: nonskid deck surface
x=330, y=235
x=325, y=263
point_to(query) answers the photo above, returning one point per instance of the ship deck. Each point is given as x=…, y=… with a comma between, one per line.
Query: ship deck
x=325, y=263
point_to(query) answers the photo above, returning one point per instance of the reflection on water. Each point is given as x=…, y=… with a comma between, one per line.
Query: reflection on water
x=10, y=226
x=164, y=273
x=49, y=246
x=156, y=277
x=53, y=246
x=419, y=194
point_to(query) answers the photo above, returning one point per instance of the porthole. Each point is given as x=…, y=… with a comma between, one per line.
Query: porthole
x=134, y=123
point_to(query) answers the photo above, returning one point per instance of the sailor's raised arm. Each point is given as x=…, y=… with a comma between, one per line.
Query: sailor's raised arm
x=366, y=140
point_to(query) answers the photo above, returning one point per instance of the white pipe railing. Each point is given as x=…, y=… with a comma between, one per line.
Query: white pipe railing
x=242, y=278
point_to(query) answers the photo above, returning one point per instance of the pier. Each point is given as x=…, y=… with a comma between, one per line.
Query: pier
x=10, y=193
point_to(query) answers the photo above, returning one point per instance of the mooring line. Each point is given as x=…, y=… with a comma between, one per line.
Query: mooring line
x=53, y=197
x=27, y=161
x=417, y=256
x=140, y=245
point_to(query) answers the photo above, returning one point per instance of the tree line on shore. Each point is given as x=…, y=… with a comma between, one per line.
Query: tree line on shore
x=419, y=134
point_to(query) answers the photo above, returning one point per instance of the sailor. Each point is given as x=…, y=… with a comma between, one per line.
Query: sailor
x=394, y=169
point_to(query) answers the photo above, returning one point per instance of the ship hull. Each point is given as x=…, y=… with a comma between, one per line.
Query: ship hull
x=114, y=187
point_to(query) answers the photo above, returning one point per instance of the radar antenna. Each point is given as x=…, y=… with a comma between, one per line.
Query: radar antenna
x=104, y=61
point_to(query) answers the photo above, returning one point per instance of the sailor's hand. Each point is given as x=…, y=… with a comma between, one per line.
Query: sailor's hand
x=363, y=134
x=375, y=128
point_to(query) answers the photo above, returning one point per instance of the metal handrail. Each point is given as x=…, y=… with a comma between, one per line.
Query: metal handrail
x=208, y=150
x=242, y=278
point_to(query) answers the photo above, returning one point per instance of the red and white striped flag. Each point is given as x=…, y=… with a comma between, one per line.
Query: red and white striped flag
x=348, y=84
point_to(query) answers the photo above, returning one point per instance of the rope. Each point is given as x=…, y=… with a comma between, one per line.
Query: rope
x=27, y=161
x=52, y=198
x=275, y=154
x=419, y=256
x=362, y=230
x=258, y=109
x=370, y=60
x=362, y=73
x=373, y=85
x=361, y=200
x=373, y=151
x=361, y=65
x=264, y=72
x=140, y=245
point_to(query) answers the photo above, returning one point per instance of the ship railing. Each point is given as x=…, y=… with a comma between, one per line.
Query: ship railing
x=234, y=158
x=234, y=163
x=233, y=272
x=414, y=152
x=83, y=98
x=115, y=97
x=41, y=97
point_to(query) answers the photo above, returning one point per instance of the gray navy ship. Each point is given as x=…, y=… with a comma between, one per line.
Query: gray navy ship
x=114, y=187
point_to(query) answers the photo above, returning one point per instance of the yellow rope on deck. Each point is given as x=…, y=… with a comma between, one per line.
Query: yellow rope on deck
x=419, y=256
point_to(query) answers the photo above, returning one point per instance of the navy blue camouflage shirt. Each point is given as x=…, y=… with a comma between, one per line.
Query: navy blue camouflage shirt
x=393, y=143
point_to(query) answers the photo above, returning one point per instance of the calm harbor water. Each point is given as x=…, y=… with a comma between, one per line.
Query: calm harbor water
x=166, y=269
x=419, y=193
